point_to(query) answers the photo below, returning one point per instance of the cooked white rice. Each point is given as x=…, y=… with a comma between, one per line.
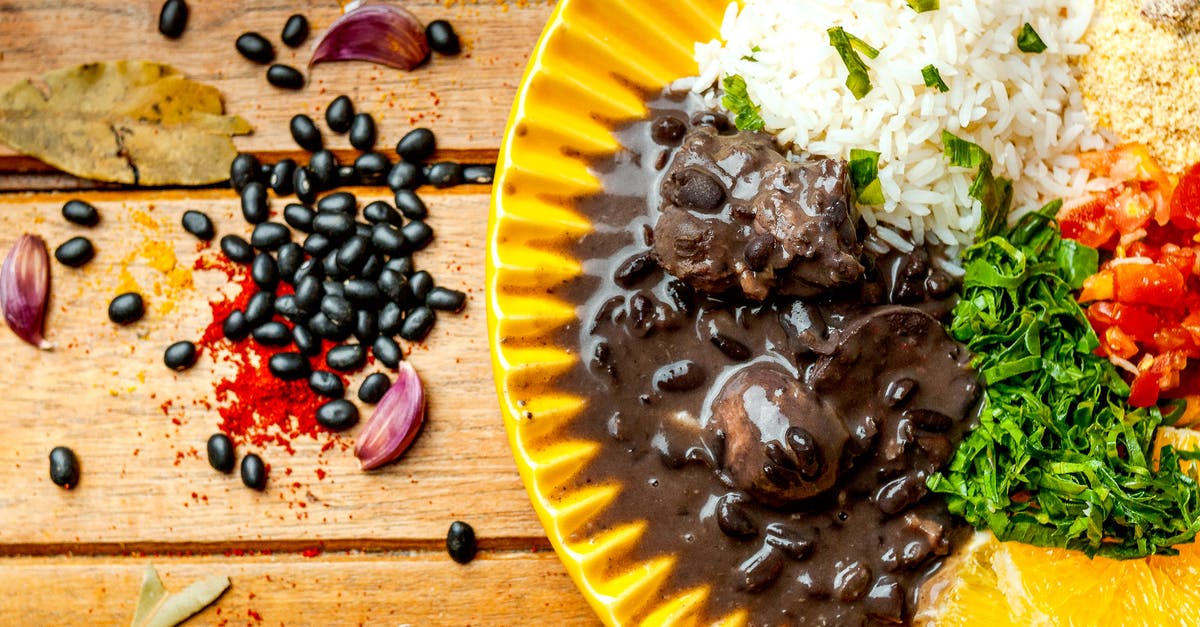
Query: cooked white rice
x=1024, y=109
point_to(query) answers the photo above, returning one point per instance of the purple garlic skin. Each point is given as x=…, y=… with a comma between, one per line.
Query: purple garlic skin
x=395, y=423
x=380, y=33
x=25, y=288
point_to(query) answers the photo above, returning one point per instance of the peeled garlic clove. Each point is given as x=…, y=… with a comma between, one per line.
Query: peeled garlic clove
x=379, y=33
x=24, y=288
x=395, y=423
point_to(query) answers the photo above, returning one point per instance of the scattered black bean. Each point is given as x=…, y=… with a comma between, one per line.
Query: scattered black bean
x=235, y=326
x=417, y=145
x=442, y=38
x=333, y=224
x=255, y=47
x=400, y=265
x=283, y=177
x=180, y=356
x=295, y=31
x=353, y=253
x=317, y=244
x=634, y=269
x=788, y=540
x=198, y=224
x=339, y=114
x=373, y=388
x=760, y=570
x=371, y=167
x=362, y=291
x=347, y=176
x=172, y=20
x=732, y=348
x=390, y=319
x=285, y=77
x=443, y=299
x=418, y=234
x=75, y=252
x=392, y=285
x=254, y=472
x=273, y=334
x=679, y=376
x=126, y=308
x=445, y=174
x=306, y=341
x=270, y=236
x=254, y=203
x=244, y=169
x=80, y=212
x=260, y=309
x=372, y=266
x=304, y=186
x=417, y=324
x=366, y=326
x=220, y=452
x=306, y=133
x=337, y=415
x=404, y=175
x=479, y=173
x=286, y=306
x=420, y=284
x=64, y=467
x=310, y=267
x=265, y=271
x=388, y=240
x=733, y=519
x=387, y=351
x=237, y=249
x=362, y=131
x=411, y=205
x=460, y=542
x=288, y=366
x=308, y=295
x=299, y=217
x=347, y=357
x=333, y=271
x=340, y=202
x=289, y=259
x=326, y=384
x=380, y=212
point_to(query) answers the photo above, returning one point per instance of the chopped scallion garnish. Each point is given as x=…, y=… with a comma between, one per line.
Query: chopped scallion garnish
x=994, y=194
x=933, y=78
x=1029, y=41
x=864, y=175
x=921, y=6
x=848, y=48
x=747, y=116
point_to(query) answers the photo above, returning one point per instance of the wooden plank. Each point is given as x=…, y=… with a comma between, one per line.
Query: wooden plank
x=332, y=589
x=465, y=99
x=105, y=392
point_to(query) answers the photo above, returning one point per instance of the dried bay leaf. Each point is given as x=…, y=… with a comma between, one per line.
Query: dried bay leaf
x=157, y=608
x=134, y=122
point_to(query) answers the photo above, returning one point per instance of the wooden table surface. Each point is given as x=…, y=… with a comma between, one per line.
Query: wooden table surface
x=324, y=544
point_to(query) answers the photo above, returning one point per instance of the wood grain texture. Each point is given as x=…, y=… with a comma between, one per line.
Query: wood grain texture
x=465, y=98
x=507, y=588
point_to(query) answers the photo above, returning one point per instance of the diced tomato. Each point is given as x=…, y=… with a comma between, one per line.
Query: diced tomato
x=1131, y=211
x=1181, y=258
x=1098, y=287
x=1143, y=391
x=1136, y=320
x=1147, y=284
x=1088, y=222
x=1119, y=343
x=1185, y=201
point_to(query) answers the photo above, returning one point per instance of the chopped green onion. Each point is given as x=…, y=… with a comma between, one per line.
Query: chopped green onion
x=848, y=47
x=747, y=116
x=994, y=194
x=921, y=6
x=1029, y=41
x=864, y=175
x=750, y=57
x=933, y=78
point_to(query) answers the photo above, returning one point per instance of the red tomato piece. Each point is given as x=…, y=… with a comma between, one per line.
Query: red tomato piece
x=1136, y=320
x=1088, y=222
x=1147, y=284
x=1143, y=391
x=1185, y=201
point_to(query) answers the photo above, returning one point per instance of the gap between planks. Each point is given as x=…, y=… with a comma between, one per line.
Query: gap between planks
x=529, y=544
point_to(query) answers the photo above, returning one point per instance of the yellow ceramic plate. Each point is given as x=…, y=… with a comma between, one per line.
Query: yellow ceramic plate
x=589, y=70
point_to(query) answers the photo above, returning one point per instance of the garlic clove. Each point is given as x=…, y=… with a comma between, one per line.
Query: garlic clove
x=380, y=33
x=395, y=423
x=25, y=287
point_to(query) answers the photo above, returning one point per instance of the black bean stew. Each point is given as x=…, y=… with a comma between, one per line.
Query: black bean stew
x=769, y=396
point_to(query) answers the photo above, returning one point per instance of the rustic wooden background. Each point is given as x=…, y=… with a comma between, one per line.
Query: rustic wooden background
x=349, y=548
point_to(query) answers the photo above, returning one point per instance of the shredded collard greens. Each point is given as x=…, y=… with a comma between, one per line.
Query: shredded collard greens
x=746, y=114
x=1058, y=459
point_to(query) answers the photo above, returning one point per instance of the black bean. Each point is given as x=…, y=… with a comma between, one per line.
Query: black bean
x=340, y=202
x=379, y=212
x=411, y=205
x=295, y=31
x=387, y=351
x=373, y=388
x=327, y=384
x=334, y=288
x=339, y=114
x=283, y=177
x=338, y=308
x=333, y=224
x=390, y=319
x=172, y=20
x=479, y=173
x=270, y=236
x=445, y=174
x=286, y=306
x=317, y=244
x=634, y=269
x=237, y=249
x=417, y=145
x=852, y=582
x=371, y=167
x=244, y=169
x=667, y=130
x=220, y=452
x=418, y=234
x=807, y=451
x=322, y=326
x=75, y=252
x=264, y=174
x=347, y=176
x=306, y=341
x=733, y=519
x=198, y=224
x=80, y=212
x=337, y=415
x=420, y=284
x=180, y=356
x=299, y=217
x=443, y=299
x=308, y=294
x=719, y=121
x=788, y=540
x=254, y=472
x=417, y=324
x=899, y=494
x=273, y=334
x=304, y=186
x=460, y=542
x=353, y=253
x=255, y=47
x=362, y=131
x=400, y=265
x=366, y=326
x=760, y=570
x=758, y=251
x=310, y=267
x=64, y=467
x=392, y=285
x=289, y=259
x=346, y=357
x=254, y=203
x=288, y=366
x=899, y=391
x=442, y=38
x=362, y=291
x=679, y=376
x=306, y=133
x=285, y=77
x=126, y=308
x=928, y=419
x=404, y=175
x=265, y=271
x=333, y=271
x=259, y=309
x=732, y=348
x=235, y=326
